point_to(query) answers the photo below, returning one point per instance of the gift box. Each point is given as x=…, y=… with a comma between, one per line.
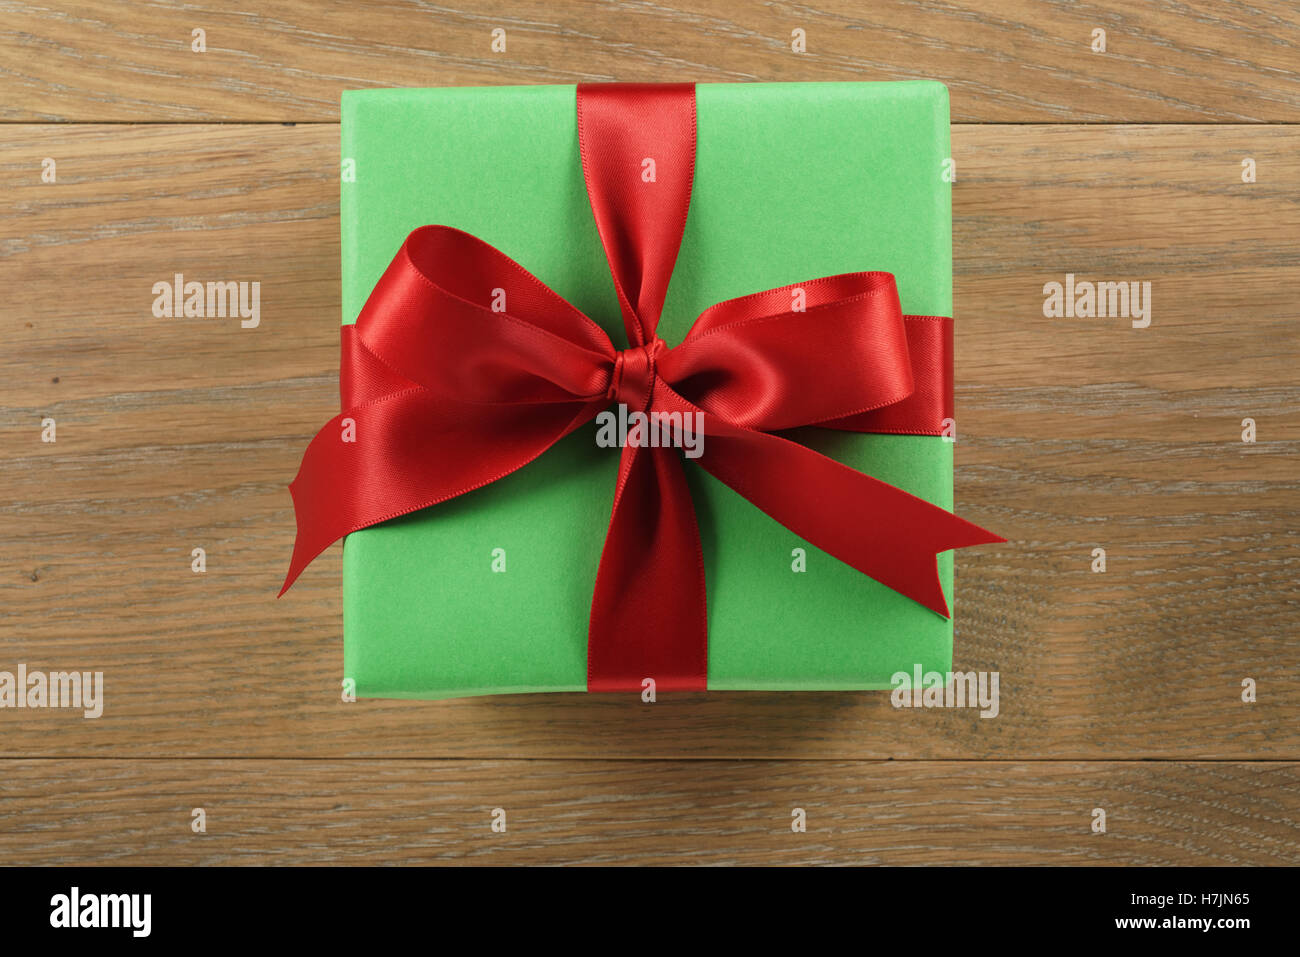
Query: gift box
x=491, y=591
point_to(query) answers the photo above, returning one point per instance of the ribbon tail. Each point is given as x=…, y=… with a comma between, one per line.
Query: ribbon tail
x=407, y=451
x=885, y=533
x=648, y=615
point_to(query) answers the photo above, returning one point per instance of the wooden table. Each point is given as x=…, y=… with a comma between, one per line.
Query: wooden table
x=1120, y=690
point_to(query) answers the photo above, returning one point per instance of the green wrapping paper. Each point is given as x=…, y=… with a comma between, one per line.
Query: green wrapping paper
x=793, y=181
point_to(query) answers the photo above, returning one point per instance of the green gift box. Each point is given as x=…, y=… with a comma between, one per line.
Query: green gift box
x=491, y=592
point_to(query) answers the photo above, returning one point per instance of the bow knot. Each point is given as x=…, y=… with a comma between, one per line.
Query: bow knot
x=632, y=380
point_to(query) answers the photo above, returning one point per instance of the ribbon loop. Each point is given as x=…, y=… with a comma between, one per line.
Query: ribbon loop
x=763, y=361
x=462, y=319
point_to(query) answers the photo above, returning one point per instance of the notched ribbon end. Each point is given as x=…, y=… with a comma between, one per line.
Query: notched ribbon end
x=963, y=534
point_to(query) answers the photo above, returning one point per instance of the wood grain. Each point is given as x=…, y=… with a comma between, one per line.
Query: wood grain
x=1009, y=61
x=1073, y=433
x=1120, y=690
x=657, y=812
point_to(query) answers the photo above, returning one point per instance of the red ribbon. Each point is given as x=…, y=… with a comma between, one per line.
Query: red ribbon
x=445, y=395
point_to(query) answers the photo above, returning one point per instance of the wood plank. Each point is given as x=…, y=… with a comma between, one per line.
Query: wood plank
x=1073, y=433
x=139, y=812
x=1017, y=61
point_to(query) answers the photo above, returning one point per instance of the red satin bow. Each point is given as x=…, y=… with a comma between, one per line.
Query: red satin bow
x=446, y=394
